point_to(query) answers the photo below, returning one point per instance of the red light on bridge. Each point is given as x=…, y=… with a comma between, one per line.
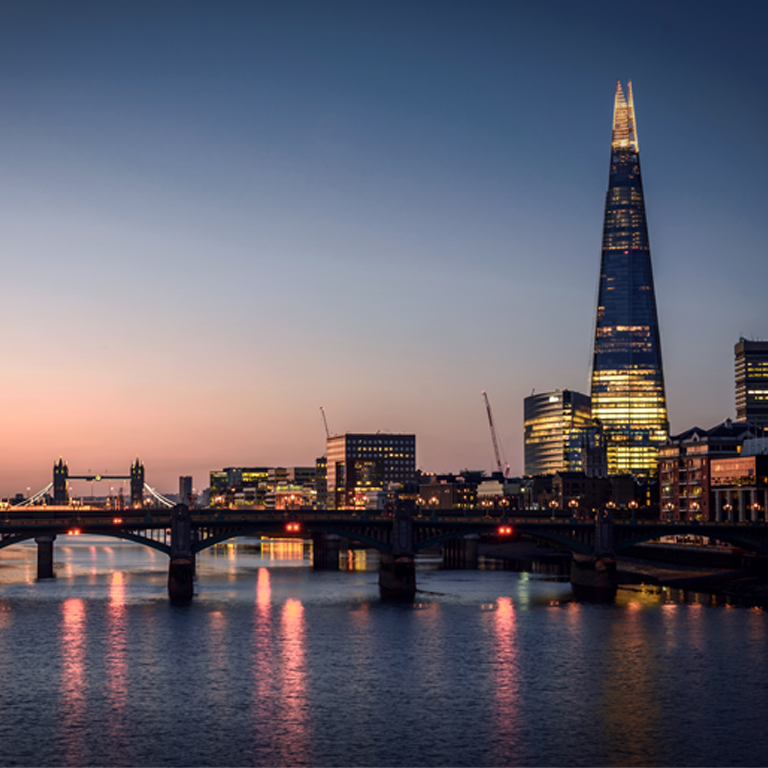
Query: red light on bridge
x=505, y=530
x=74, y=531
x=117, y=520
x=293, y=527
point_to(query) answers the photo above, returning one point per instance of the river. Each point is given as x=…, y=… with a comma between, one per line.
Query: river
x=275, y=664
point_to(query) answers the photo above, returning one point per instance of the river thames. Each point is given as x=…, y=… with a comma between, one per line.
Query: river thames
x=274, y=664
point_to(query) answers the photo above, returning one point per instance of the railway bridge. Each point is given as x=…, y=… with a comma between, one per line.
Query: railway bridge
x=181, y=533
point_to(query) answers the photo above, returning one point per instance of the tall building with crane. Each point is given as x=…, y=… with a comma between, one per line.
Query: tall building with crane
x=628, y=396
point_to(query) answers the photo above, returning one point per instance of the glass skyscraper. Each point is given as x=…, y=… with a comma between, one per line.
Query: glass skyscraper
x=627, y=376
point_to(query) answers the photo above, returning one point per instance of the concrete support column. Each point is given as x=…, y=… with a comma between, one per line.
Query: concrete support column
x=593, y=577
x=397, y=570
x=718, y=506
x=742, y=506
x=181, y=569
x=471, y=557
x=45, y=556
x=325, y=551
x=752, y=502
x=460, y=554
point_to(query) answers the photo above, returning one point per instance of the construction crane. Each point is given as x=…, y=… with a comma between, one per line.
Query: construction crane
x=504, y=469
x=325, y=421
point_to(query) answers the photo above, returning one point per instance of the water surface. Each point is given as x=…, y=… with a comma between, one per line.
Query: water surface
x=275, y=664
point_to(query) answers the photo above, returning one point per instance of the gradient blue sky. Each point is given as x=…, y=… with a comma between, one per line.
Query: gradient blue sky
x=217, y=217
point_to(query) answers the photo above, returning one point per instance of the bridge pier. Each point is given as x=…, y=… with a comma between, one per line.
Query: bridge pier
x=397, y=569
x=181, y=569
x=325, y=551
x=45, y=556
x=461, y=553
x=593, y=577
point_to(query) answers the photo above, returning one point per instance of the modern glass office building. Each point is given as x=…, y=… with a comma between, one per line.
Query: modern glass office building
x=553, y=421
x=752, y=382
x=628, y=395
x=359, y=464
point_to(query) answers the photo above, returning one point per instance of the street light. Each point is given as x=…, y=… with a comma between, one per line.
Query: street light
x=574, y=505
x=727, y=508
x=633, y=507
x=695, y=509
x=553, y=506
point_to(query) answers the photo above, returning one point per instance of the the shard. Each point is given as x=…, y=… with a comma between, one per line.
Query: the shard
x=627, y=375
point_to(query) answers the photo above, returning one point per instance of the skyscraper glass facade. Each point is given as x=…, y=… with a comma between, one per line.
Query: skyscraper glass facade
x=552, y=421
x=628, y=395
x=752, y=382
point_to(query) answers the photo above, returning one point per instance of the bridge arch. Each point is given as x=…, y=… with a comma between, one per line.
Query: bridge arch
x=277, y=528
x=8, y=541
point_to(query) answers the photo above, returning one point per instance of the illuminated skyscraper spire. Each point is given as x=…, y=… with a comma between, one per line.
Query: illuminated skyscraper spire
x=624, y=126
x=627, y=376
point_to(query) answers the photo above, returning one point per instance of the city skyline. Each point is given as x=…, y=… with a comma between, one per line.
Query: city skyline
x=218, y=220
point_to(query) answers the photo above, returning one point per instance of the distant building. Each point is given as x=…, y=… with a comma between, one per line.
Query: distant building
x=258, y=486
x=752, y=382
x=557, y=434
x=579, y=494
x=448, y=492
x=685, y=462
x=321, y=482
x=358, y=464
x=185, y=490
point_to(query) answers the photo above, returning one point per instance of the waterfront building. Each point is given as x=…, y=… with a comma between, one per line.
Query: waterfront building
x=628, y=396
x=449, y=491
x=256, y=486
x=358, y=464
x=740, y=487
x=558, y=433
x=579, y=494
x=752, y=382
x=685, y=464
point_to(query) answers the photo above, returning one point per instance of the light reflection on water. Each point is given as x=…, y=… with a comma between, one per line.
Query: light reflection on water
x=73, y=688
x=274, y=664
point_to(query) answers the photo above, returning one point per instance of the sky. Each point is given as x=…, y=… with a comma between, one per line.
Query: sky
x=217, y=217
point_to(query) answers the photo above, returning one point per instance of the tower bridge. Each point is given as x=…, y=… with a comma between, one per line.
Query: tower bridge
x=182, y=533
x=60, y=497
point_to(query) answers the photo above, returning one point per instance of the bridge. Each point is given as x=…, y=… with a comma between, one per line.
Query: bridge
x=181, y=533
x=57, y=490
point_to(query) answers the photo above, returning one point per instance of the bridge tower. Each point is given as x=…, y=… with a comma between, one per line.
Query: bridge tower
x=137, y=484
x=60, y=475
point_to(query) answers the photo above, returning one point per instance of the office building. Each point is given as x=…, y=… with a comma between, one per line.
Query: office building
x=259, y=486
x=553, y=432
x=752, y=382
x=359, y=465
x=628, y=396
